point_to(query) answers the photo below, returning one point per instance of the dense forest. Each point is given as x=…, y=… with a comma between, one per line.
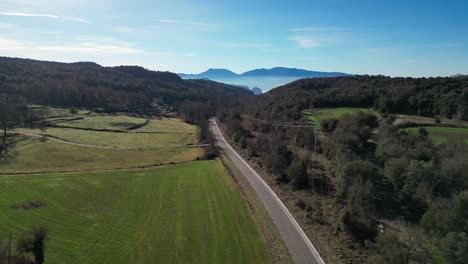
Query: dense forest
x=401, y=197
x=86, y=84
x=444, y=96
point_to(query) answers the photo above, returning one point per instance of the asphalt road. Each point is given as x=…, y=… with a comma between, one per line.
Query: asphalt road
x=299, y=245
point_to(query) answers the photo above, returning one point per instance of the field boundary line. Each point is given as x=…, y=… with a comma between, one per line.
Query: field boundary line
x=156, y=165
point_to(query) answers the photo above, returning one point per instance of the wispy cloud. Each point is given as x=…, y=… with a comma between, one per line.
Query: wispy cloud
x=7, y=26
x=123, y=29
x=242, y=45
x=79, y=48
x=13, y=47
x=320, y=29
x=274, y=50
x=321, y=36
x=306, y=42
x=185, y=22
x=41, y=15
x=190, y=54
x=53, y=32
x=173, y=54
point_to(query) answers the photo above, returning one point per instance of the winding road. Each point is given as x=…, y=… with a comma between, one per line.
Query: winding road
x=299, y=245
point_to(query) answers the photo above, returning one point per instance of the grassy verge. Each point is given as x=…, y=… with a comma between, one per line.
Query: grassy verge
x=278, y=251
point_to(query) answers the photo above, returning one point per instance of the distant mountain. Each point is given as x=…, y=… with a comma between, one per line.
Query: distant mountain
x=257, y=90
x=265, y=79
x=290, y=72
x=211, y=74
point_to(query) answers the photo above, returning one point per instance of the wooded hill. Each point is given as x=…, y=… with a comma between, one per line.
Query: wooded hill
x=447, y=97
x=398, y=195
x=87, y=84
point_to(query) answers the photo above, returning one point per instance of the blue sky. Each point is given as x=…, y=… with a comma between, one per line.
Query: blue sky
x=396, y=38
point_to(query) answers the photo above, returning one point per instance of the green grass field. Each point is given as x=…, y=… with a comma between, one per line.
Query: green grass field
x=163, y=141
x=122, y=122
x=168, y=125
x=99, y=211
x=158, y=133
x=118, y=140
x=411, y=120
x=319, y=114
x=35, y=156
x=186, y=213
x=442, y=134
x=105, y=122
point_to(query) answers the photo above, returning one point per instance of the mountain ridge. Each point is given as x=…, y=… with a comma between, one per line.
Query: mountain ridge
x=265, y=79
x=262, y=72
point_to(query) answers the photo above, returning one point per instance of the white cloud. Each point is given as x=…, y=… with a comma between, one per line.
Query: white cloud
x=92, y=48
x=42, y=15
x=242, y=45
x=306, y=42
x=27, y=14
x=93, y=51
x=123, y=29
x=320, y=29
x=7, y=26
x=53, y=32
x=321, y=36
x=190, y=54
x=173, y=54
x=185, y=22
x=89, y=48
